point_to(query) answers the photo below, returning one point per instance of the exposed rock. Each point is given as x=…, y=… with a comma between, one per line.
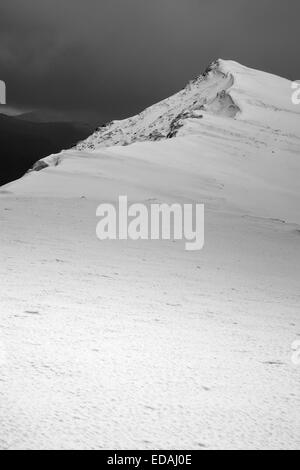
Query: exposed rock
x=178, y=122
x=39, y=166
x=156, y=135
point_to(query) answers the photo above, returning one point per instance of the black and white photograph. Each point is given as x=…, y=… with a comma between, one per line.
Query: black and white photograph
x=149, y=228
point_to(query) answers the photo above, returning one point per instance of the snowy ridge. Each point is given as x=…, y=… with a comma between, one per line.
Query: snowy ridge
x=207, y=93
x=226, y=89
x=263, y=98
x=237, y=143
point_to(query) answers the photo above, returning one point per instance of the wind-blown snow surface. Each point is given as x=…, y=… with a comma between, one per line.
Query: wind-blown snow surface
x=142, y=344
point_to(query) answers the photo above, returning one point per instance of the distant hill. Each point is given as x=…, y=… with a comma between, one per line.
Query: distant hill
x=42, y=116
x=23, y=142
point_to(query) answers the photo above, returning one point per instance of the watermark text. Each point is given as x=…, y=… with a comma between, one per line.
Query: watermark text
x=296, y=93
x=152, y=222
x=2, y=92
x=296, y=353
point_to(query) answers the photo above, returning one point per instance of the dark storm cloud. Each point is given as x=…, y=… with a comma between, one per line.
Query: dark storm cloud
x=114, y=57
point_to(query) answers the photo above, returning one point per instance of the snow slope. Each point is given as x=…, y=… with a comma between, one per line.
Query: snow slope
x=238, y=140
x=141, y=344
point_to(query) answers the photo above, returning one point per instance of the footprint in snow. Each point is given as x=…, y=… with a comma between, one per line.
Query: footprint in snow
x=273, y=363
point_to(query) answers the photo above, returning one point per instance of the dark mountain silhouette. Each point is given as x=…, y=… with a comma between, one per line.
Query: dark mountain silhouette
x=23, y=142
x=42, y=116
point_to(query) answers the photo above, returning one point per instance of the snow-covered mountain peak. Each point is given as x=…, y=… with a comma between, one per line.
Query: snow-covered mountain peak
x=230, y=138
x=226, y=88
x=207, y=93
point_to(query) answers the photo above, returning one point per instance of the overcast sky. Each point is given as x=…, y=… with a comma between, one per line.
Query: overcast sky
x=112, y=58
